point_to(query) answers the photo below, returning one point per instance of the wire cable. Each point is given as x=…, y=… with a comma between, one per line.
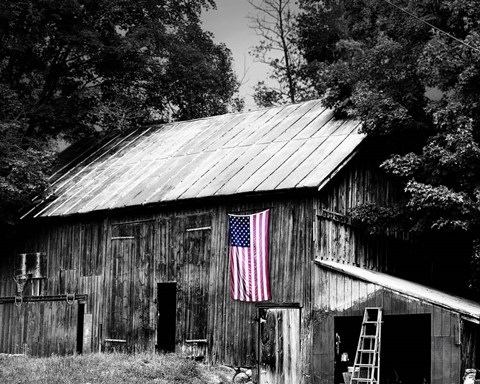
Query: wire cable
x=432, y=26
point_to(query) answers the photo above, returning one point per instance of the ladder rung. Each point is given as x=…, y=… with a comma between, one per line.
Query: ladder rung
x=369, y=336
x=367, y=350
x=364, y=379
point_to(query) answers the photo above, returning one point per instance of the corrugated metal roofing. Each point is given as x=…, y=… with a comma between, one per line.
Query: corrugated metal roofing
x=433, y=296
x=288, y=147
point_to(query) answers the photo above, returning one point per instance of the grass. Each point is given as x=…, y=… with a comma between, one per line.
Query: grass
x=112, y=368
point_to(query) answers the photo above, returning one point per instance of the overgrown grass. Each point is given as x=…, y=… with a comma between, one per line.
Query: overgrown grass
x=112, y=368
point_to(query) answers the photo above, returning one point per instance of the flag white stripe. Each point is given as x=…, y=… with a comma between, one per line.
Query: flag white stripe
x=234, y=274
x=245, y=257
x=240, y=273
x=253, y=255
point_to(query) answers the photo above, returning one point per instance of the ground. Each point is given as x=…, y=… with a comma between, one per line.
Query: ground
x=111, y=369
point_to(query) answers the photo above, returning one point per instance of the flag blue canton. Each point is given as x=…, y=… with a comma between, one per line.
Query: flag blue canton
x=240, y=231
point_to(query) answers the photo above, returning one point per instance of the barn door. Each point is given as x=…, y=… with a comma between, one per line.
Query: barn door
x=279, y=345
x=184, y=258
x=132, y=312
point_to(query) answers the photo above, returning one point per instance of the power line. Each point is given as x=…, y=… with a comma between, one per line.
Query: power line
x=431, y=25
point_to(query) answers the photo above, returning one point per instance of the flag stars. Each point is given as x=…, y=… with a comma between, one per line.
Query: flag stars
x=240, y=231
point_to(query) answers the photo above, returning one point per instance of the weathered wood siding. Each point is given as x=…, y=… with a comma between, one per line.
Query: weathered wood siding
x=339, y=295
x=39, y=328
x=118, y=260
x=470, y=347
x=340, y=239
x=233, y=324
x=362, y=182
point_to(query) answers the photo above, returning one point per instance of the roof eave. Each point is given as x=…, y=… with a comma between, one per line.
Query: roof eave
x=369, y=277
x=327, y=179
x=179, y=202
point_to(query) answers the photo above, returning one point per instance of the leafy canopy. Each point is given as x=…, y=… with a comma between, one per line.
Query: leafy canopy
x=73, y=68
x=373, y=61
x=415, y=85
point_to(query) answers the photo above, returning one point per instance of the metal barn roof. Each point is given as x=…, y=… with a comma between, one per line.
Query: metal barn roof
x=468, y=308
x=287, y=147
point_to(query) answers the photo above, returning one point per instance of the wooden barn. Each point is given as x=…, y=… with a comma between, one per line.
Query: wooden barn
x=131, y=252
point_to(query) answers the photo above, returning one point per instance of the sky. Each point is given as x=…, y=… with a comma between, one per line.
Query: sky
x=229, y=24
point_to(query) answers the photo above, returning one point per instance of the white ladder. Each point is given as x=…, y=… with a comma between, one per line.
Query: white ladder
x=366, y=368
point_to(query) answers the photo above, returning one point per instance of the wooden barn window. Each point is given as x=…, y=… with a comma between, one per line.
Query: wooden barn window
x=33, y=267
x=125, y=231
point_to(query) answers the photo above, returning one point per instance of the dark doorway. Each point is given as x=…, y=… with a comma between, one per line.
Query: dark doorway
x=80, y=319
x=166, y=307
x=405, y=353
x=405, y=347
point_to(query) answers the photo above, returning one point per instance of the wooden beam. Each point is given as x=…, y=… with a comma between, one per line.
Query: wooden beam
x=11, y=299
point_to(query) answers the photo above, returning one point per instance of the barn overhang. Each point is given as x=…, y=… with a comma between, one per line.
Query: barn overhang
x=467, y=309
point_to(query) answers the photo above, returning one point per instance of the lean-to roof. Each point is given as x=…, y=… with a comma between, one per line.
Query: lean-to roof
x=283, y=148
x=469, y=309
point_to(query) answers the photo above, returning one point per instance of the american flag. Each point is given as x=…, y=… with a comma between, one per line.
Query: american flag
x=249, y=257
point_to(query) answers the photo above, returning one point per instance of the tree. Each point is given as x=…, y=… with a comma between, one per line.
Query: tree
x=74, y=68
x=364, y=63
x=376, y=60
x=275, y=24
x=199, y=80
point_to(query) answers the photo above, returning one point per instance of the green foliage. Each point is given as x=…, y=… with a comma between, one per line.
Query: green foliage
x=76, y=68
x=439, y=207
x=379, y=219
x=22, y=174
x=377, y=63
x=24, y=161
x=367, y=69
x=199, y=80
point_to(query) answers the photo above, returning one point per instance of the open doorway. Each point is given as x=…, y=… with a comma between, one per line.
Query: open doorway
x=167, y=319
x=405, y=347
x=80, y=320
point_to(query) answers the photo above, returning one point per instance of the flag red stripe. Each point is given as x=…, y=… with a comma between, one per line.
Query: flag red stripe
x=265, y=270
x=258, y=246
